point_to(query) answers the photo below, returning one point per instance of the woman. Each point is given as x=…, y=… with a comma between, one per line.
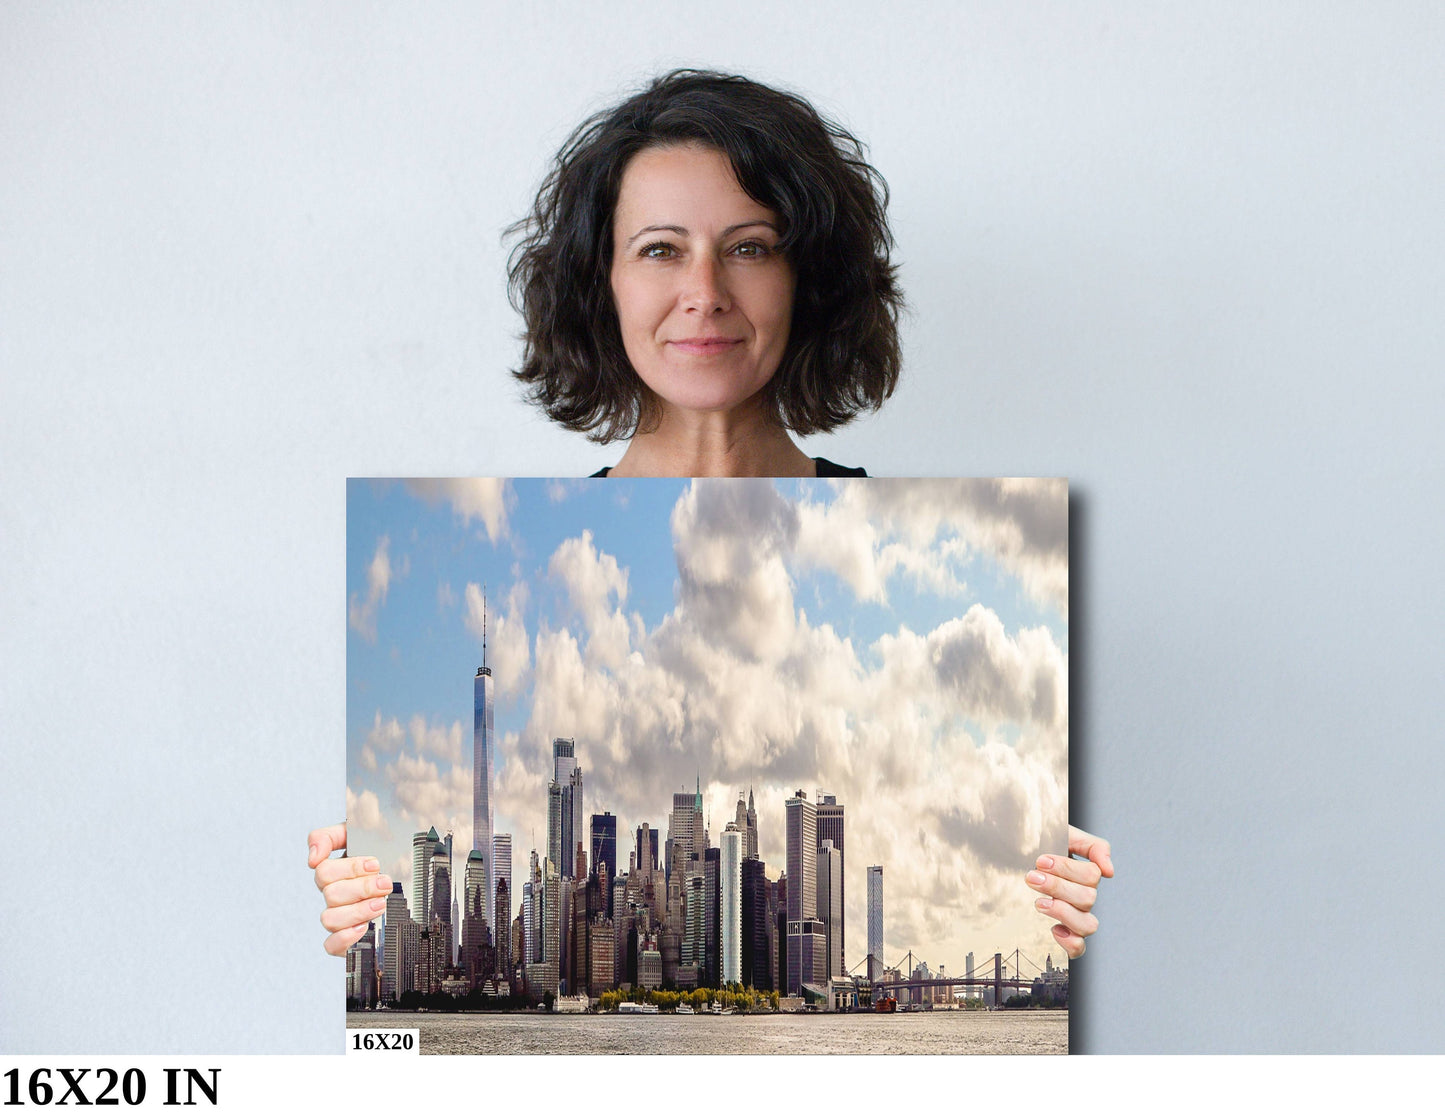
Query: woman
x=705, y=273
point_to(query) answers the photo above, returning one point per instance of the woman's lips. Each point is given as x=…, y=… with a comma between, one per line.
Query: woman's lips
x=705, y=346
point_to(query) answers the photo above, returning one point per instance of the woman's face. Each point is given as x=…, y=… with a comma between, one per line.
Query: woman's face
x=703, y=296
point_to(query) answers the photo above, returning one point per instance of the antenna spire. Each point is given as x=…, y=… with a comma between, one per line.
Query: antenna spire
x=484, y=624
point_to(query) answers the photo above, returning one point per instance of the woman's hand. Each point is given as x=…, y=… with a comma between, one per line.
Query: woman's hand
x=1070, y=888
x=355, y=892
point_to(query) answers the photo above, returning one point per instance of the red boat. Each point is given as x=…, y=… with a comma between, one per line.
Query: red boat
x=885, y=1004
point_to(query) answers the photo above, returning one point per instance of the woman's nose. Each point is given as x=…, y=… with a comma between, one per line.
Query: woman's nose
x=705, y=287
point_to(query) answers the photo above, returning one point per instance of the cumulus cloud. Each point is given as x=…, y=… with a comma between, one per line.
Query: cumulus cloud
x=481, y=498
x=361, y=611
x=443, y=741
x=363, y=813
x=596, y=589
x=1021, y=523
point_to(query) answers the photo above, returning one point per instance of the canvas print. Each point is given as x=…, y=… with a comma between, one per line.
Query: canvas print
x=709, y=765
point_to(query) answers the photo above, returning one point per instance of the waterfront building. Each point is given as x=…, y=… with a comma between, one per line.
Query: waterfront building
x=483, y=748
x=499, y=870
x=830, y=829
x=730, y=913
x=875, y=923
x=755, y=958
x=830, y=906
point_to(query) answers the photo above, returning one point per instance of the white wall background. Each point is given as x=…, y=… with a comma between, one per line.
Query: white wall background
x=1190, y=256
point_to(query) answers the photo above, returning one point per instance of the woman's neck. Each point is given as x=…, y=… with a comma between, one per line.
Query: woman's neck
x=741, y=443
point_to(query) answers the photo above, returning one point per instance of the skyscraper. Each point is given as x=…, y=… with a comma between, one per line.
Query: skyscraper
x=564, y=815
x=399, y=950
x=422, y=845
x=830, y=829
x=646, y=849
x=482, y=748
x=806, y=945
x=500, y=870
x=731, y=914
x=830, y=905
x=801, y=821
x=750, y=832
x=604, y=855
x=756, y=953
x=875, y=923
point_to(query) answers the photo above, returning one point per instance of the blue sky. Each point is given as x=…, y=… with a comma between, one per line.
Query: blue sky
x=901, y=644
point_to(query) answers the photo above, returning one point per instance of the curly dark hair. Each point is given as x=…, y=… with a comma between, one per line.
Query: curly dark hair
x=843, y=354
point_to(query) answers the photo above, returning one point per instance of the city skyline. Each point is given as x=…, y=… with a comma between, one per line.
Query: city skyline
x=881, y=641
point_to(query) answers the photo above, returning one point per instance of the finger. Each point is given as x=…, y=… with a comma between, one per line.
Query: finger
x=339, y=868
x=353, y=890
x=1073, y=944
x=323, y=842
x=1080, y=872
x=1080, y=896
x=1094, y=848
x=1079, y=922
x=348, y=916
x=341, y=941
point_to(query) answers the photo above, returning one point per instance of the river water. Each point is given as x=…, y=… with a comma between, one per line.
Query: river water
x=1031, y=1032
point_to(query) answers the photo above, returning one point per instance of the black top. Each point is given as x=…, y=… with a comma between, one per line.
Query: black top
x=825, y=469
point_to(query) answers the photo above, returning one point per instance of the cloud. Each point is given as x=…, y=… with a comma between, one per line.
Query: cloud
x=1021, y=523
x=446, y=597
x=361, y=612
x=481, y=498
x=443, y=741
x=596, y=589
x=363, y=813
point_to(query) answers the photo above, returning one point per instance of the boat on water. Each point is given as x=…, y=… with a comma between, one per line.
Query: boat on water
x=885, y=1004
x=686, y=1009
x=579, y=1003
x=632, y=1008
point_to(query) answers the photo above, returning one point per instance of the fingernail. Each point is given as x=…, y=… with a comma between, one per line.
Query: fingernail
x=1045, y=862
x=383, y=883
x=1036, y=878
x=313, y=854
x=1044, y=903
x=371, y=864
x=378, y=904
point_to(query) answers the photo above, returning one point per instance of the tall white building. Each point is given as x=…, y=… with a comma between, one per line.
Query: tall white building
x=731, y=906
x=875, y=922
x=830, y=904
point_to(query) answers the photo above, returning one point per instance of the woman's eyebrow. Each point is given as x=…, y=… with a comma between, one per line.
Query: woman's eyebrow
x=680, y=231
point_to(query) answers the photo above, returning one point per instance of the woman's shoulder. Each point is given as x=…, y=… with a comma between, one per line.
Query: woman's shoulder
x=833, y=469
x=825, y=469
